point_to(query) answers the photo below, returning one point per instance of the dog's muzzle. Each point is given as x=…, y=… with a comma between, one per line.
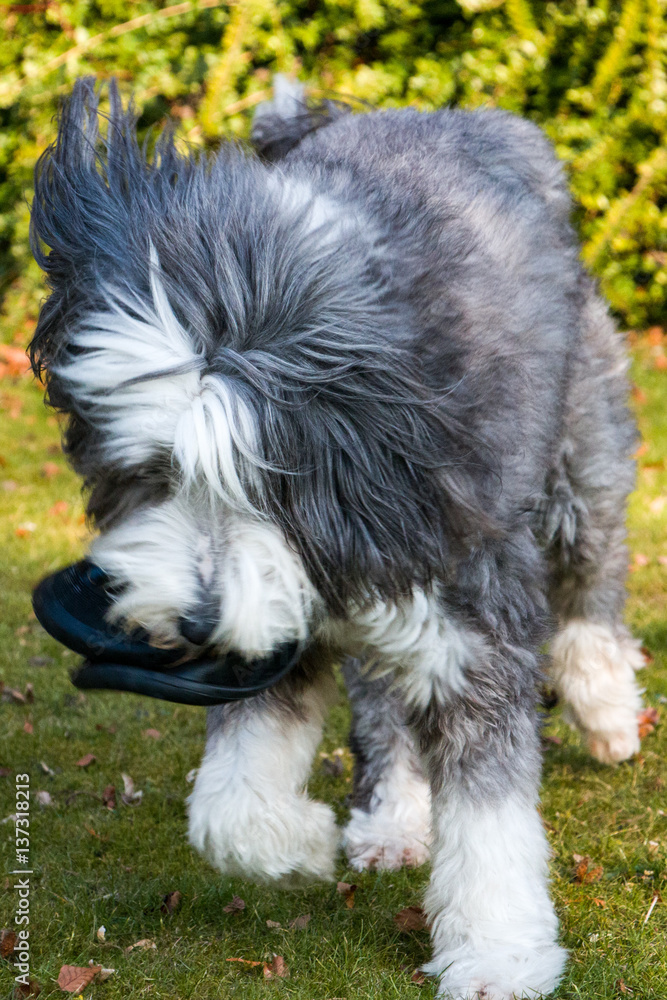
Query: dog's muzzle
x=72, y=605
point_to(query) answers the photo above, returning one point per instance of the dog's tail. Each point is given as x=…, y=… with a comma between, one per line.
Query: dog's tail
x=282, y=123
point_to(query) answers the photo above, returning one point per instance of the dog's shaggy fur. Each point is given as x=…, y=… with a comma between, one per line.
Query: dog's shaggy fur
x=356, y=392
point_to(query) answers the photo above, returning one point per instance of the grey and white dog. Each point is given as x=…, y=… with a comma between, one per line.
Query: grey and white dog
x=356, y=391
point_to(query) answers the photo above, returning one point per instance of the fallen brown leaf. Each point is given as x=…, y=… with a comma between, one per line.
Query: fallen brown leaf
x=109, y=797
x=14, y=361
x=11, y=694
x=171, y=902
x=59, y=507
x=648, y=719
x=28, y=727
x=600, y=902
x=639, y=560
x=144, y=945
x=583, y=872
x=412, y=918
x=622, y=987
x=86, y=760
x=74, y=978
x=7, y=942
x=274, y=925
x=152, y=734
x=348, y=890
x=276, y=968
x=237, y=905
x=32, y=989
x=244, y=961
x=300, y=923
x=418, y=977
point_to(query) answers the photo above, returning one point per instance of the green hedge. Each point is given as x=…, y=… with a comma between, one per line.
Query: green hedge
x=593, y=74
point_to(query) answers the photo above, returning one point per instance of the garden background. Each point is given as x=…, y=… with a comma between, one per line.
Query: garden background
x=594, y=75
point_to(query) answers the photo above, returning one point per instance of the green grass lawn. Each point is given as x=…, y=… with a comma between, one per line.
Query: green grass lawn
x=94, y=866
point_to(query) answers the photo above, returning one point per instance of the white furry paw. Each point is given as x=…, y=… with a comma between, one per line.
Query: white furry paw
x=617, y=744
x=501, y=975
x=594, y=671
x=291, y=839
x=377, y=840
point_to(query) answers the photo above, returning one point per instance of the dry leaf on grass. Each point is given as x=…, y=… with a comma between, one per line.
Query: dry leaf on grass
x=11, y=694
x=348, y=890
x=412, y=918
x=583, y=872
x=31, y=989
x=244, y=961
x=418, y=977
x=648, y=719
x=13, y=361
x=144, y=945
x=600, y=902
x=274, y=925
x=7, y=942
x=74, y=978
x=60, y=507
x=171, y=902
x=237, y=905
x=152, y=734
x=300, y=923
x=622, y=987
x=109, y=797
x=86, y=760
x=101, y=933
x=28, y=727
x=276, y=968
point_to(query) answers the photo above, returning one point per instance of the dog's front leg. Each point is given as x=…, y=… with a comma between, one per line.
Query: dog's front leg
x=493, y=925
x=249, y=812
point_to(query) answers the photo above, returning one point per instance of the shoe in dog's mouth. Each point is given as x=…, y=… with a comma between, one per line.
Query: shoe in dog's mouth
x=72, y=605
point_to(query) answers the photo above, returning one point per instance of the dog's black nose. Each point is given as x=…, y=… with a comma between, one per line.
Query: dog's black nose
x=196, y=630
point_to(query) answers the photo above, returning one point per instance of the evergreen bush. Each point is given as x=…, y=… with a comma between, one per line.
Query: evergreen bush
x=592, y=73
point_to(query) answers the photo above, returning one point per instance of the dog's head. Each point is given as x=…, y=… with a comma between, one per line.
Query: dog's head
x=257, y=446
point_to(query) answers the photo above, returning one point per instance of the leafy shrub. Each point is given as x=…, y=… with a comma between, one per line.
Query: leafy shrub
x=593, y=74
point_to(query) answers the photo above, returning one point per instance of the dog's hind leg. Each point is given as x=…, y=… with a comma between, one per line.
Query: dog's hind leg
x=249, y=812
x=390, y=822
x=594, y=657
x=493, y=926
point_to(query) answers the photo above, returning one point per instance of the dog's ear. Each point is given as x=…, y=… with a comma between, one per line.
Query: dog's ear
x=83, y=219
